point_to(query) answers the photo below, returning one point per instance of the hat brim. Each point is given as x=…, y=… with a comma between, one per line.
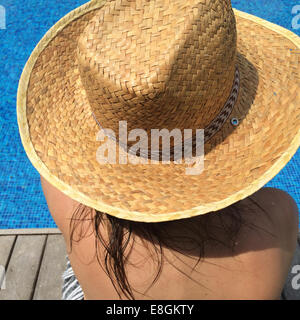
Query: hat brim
x=59, y=133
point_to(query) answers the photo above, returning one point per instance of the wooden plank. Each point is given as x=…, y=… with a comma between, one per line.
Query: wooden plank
x=49, y=283
x=23, y=267
x=29, y=231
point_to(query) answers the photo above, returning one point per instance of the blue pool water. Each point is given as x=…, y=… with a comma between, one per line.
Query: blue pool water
x=22, y=204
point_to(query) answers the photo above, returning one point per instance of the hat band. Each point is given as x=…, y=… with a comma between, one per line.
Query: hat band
x=221, y=118
x=209, y=131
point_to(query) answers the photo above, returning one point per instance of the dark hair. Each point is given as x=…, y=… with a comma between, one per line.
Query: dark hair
x=193, y=237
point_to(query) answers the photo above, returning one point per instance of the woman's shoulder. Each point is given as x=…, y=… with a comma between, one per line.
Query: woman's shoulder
x=274, y=209
x=275, y=196
x=267, y=241
x=270, y=216
x=60, y=205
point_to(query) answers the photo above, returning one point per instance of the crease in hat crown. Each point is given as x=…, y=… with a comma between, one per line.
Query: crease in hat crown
x=158, y=64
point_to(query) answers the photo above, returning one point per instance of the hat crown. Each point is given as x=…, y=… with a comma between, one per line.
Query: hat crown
x=158, y=63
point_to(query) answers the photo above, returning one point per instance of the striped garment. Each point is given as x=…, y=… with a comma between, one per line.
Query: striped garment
x=71, y=289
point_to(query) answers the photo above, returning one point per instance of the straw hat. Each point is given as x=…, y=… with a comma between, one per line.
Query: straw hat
x=193, y=64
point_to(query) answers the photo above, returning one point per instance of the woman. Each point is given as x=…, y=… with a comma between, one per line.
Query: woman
x=196, y=225
x=248, y=259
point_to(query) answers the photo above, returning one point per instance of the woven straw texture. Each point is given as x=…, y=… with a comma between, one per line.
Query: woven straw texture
x=152, y=65
x=160, y=64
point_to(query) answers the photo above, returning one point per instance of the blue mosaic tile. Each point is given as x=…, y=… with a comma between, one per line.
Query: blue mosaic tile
x=22, y=202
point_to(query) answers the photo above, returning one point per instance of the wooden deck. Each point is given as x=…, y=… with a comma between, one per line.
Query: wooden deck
x=33, y=261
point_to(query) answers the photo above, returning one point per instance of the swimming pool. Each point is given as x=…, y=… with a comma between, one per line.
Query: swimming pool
x=22, y=203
